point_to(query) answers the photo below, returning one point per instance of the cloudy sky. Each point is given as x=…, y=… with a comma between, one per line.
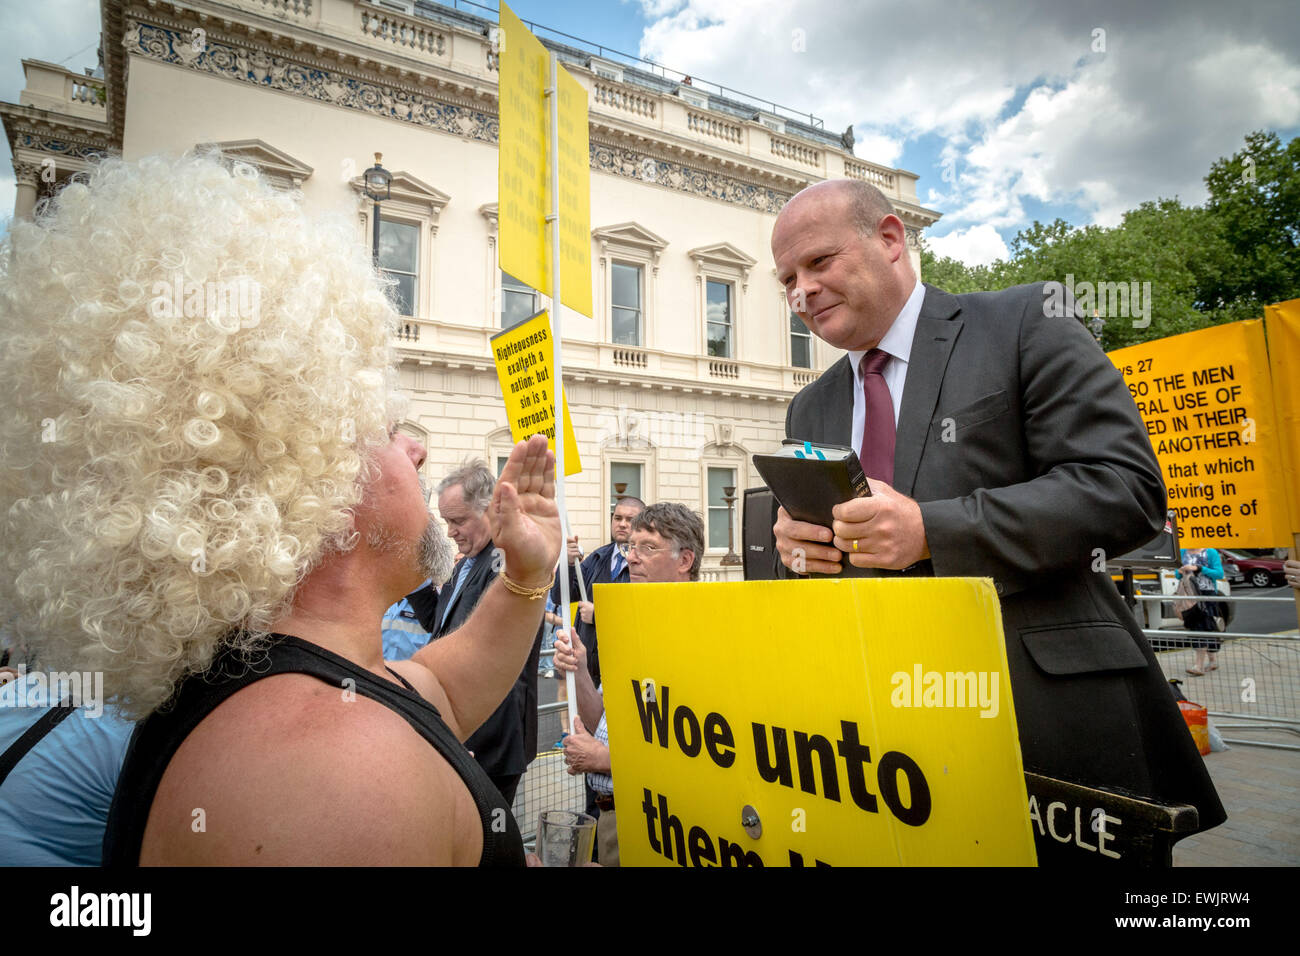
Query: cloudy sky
x=1008, y=111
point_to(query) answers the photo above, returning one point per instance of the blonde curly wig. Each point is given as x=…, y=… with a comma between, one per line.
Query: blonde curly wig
x=194, y=378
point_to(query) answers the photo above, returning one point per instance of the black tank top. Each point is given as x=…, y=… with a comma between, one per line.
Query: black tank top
x=157, y=738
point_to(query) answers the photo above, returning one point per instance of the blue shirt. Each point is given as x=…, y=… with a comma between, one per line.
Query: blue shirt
x=54, y=803
x=403, y=633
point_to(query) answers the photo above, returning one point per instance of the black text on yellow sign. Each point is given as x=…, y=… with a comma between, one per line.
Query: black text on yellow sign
x=876, y=738
x=1206, y=398
x=523, y=361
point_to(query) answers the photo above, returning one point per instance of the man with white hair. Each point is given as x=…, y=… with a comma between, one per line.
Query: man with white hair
x=213, y=509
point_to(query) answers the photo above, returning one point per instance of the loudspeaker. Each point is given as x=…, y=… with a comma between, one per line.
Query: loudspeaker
x=757, y=516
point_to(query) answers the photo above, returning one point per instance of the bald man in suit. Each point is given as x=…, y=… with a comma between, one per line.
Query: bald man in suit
x=1001, y=443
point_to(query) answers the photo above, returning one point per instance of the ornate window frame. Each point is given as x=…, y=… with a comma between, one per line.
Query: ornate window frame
x=414, y=201
x=722, y=262
x=633, y=244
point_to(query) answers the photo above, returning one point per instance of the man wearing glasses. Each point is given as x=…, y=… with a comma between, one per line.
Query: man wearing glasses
x=667, y=545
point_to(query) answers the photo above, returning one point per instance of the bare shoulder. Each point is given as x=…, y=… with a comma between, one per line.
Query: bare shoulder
x=291, y=770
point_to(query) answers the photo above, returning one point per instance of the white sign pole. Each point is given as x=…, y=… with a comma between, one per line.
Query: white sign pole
x=557, y=363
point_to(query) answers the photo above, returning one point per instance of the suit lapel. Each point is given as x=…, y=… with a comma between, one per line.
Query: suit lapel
x=837, y=425
x=936, y=333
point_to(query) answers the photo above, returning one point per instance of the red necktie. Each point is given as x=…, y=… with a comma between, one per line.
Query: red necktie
x=878, y=424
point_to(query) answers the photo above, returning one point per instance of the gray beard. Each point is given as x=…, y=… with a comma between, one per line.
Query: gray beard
x=434, y=554
x=437, y=552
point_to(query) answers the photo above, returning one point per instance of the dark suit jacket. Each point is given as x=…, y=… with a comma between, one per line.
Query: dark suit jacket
x=595, y=570
x=1020, y=441
x=507, y=741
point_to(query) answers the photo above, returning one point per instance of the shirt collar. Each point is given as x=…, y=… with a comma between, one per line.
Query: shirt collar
x=898, y=340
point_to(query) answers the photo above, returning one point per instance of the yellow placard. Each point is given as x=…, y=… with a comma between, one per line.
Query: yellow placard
x=855, y=722
x=522, y=169
x=1282, y=323
x=523, y=360
x=1207, y=400
x=575, y=196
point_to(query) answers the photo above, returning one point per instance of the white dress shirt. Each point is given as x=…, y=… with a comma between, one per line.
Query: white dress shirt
x=898, y=343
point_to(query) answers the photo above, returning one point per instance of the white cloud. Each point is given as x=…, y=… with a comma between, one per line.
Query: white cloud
x=1027, y=109
x=976, y=246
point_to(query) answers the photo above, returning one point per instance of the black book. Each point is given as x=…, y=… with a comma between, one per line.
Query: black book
x=809, y=480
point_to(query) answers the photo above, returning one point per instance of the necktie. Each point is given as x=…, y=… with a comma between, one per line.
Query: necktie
x=461, y=573
x=878, y=424
x=620, y=563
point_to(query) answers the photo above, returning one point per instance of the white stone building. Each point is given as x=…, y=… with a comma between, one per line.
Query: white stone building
x=685, y=369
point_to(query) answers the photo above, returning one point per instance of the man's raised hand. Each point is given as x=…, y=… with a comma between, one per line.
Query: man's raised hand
x=523, y=517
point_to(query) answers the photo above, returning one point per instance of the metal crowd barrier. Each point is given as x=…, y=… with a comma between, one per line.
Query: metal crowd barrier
x=1256, y=684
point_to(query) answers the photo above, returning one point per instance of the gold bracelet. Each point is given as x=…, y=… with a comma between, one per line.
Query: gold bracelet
x=533, y=594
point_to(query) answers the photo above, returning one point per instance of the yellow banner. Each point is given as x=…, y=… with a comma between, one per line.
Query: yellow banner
x=575, y=196
x=1282, y=322
x=797, y=723
x=1207, y=400
x=524, y=169
x=523, y=360
x=522, y=208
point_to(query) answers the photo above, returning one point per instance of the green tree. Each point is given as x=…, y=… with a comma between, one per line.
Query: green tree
x=1255, y=202
x=1203, y=265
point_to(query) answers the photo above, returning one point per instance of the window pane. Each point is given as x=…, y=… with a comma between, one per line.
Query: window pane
x=398, y=244
x=501, y=463
x=800, y=351
x=626, y=281
x=627, y=326
x=719, y=340
x=402, y=295
x=518, y=301
x=627, y=472
x=719, y=302
x=719, y=478
x=718, y=315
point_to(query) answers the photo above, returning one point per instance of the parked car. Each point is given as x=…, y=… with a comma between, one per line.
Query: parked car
x=1259, y=571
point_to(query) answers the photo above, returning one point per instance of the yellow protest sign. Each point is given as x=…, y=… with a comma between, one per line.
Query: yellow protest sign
x=575, y=196
x=1282, y=323
x=1207, y=400
x=524, y=168
x=522, y=154
x=523, y=360
x=797, y=723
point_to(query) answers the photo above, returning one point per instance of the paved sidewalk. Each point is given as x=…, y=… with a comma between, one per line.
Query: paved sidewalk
x=1260, y=789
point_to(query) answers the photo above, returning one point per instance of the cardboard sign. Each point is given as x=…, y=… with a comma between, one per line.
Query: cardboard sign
x=1207, y=400
x=524, y=169
x=805, y=723
x=1282, y=323
x=523, y=361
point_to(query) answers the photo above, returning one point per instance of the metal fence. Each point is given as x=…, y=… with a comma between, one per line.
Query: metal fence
x=546, y=785
x=1255, y=683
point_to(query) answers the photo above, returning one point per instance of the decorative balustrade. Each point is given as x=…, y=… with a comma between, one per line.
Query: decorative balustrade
x=620, y=98
x=85, y=90
x=715, y=127
x=788, y=149
x=406, y=33
x=880, y=178
x=724, y=369
x=802, y=378
x=630, y=358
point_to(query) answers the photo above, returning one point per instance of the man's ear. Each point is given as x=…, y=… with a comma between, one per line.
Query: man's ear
x=893, y=234
x=685, y=558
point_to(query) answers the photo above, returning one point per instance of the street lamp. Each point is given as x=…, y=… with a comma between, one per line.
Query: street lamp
x=1096, y=325
x=378, y=183
x=729, y=496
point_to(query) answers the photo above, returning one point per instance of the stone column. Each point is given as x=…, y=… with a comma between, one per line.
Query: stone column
x=29, y=177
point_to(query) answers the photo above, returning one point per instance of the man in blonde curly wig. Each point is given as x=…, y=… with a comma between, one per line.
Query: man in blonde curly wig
x=204, y=499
